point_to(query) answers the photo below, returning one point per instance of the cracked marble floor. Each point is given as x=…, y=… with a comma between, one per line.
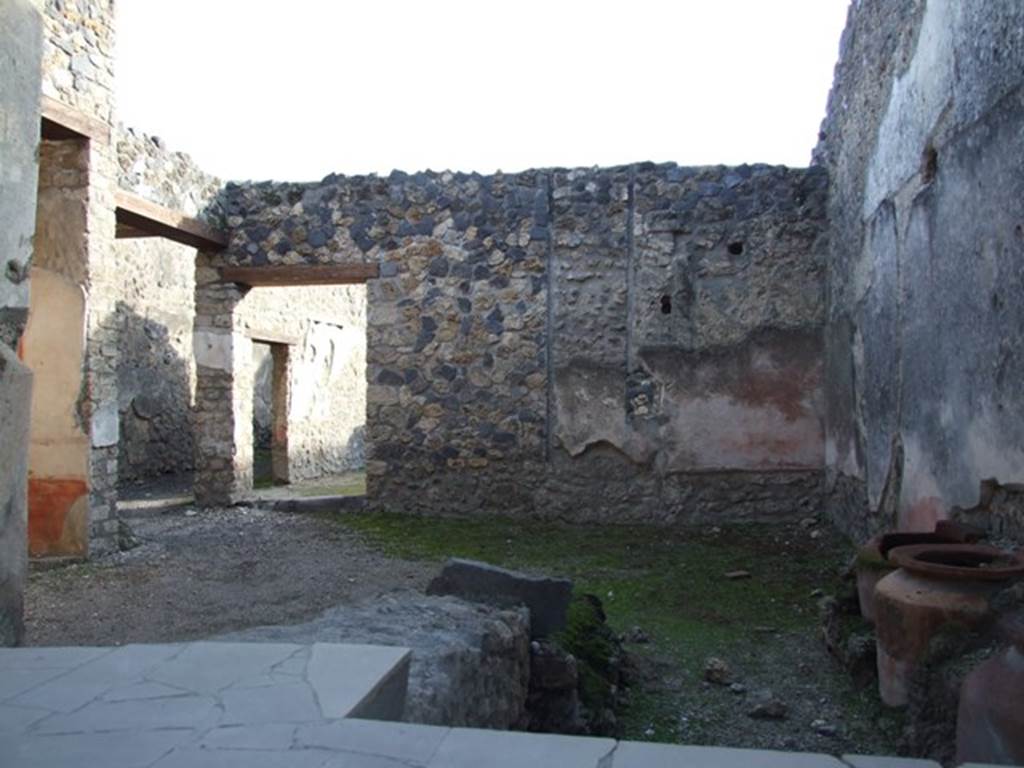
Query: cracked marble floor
x=276, y=705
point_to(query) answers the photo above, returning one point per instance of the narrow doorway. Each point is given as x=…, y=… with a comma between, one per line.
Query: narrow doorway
x=270, y=414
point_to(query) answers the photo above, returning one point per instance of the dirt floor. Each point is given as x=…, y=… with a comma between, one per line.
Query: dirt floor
x=668, y=592
x=209, y=573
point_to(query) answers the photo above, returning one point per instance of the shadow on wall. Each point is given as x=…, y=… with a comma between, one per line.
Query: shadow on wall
x=155, y=386
x=262, y=395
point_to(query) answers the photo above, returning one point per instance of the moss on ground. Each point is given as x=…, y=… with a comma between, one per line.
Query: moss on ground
x=672, y=583
x=587, y=637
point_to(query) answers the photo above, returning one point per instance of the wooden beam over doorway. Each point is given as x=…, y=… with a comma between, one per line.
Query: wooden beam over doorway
x=59, y=121
x=301, y=274
x=137, y=217
x=264, y=336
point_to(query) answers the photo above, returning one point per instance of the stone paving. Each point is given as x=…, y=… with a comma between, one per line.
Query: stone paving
x=280, y=705
x=139, y=704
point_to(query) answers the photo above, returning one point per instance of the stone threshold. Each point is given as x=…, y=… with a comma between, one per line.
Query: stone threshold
x=332, y=504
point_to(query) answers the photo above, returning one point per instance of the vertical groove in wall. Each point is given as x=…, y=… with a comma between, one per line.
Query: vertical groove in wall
x=549, y=336
x=900, y=296
x=630, y=268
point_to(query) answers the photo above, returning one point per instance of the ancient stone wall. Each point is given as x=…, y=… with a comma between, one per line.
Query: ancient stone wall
x=77, y=71
x=156, y=371
x=148, y=168
x=21, y=33
x=78, y=55
x=632, y=343
x=156, y=303
x=20, y=52
x=925, y=155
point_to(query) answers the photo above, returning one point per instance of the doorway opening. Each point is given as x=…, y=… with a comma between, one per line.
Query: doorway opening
x=270, y=414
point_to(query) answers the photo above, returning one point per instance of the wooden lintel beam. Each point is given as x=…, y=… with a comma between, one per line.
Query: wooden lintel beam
x=59, y=121
x=301, y=274
x=125, y=232
x=264, y=336
x=141, y=216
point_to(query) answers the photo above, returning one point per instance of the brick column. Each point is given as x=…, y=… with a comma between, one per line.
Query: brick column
x=103, y=331
x=224, y=391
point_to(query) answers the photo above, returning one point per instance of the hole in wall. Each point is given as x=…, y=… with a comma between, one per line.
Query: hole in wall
x=735, y=248
x=929, y=163
x=666, y=305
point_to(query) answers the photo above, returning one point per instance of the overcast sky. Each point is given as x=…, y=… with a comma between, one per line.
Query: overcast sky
x=298, y=89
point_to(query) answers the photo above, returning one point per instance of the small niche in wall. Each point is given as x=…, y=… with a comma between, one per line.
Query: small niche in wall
x=735, y=248
x=666, y=305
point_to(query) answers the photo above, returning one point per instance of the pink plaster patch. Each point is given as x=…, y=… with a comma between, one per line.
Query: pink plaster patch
x=922, y=515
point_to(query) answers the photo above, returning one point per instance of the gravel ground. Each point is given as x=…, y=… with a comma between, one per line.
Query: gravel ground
x=213, y=572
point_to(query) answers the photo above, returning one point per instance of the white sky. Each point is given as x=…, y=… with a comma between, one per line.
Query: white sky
x=297, y=89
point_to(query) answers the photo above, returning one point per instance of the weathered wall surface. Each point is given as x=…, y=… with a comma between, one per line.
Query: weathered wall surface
x=148, y=168
x=77, y=70
x=20, y=51
x=156, y=305
x=21, y=37
x=632, y=343
x=78, y=55
x=15, y=401
x=54, y=348
x=923, y=144
x=155, y=372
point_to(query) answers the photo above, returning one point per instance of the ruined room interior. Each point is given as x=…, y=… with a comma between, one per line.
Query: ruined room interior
x=628, y=466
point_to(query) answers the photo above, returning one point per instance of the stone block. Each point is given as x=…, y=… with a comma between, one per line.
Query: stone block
x=15, y=406
x=879, y=761
x=647, y=755
x=547, y=598
x=367, y=681
x=470, y=748
x=405, y=743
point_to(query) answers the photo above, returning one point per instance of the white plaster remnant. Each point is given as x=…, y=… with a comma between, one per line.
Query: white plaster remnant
x=105, y=424
x=916, y=104
x=987, y=452
x=213, y=350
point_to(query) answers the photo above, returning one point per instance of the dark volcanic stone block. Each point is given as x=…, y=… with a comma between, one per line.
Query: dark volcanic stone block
x=547, y=598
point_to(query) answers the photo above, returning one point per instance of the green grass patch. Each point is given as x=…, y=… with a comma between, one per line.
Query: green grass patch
x=670, y=582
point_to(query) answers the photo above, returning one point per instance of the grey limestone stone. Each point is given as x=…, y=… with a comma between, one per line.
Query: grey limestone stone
x=879, y=761
x=644, y=755
x=469, y=748
x=404, y=742
x=547, y=598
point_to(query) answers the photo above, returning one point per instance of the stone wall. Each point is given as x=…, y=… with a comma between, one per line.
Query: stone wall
x=20, y=52
x=148, y=168
x=325, y=326
x=923, y=145
x=21, y=35
x=15, y=401
x=77, y=70
x=641, y=342
x=54, y=347
x=78, y=55
x=156, y=370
